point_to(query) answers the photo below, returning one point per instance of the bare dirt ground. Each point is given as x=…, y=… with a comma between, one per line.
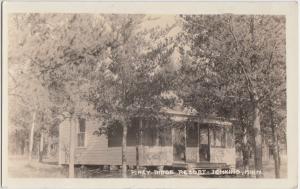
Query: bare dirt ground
x=268, y=167
x=22, y=168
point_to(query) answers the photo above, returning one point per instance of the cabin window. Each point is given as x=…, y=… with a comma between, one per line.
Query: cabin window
x=229, y=137
x=152, y=134
x=132, y=132
x=219, y=136
x=81, y=133
x=149, y=133
x=203, y=134
x=114, y=135
x=165, y=136
x=192, y=135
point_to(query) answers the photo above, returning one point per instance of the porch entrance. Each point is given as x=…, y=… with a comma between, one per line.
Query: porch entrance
x=191, y=143
x=204, y=154
x=179, y=139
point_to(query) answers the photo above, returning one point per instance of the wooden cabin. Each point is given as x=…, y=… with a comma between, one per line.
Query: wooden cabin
x=204, y=143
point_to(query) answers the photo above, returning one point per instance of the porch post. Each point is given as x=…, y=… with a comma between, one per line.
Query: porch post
x=185, y=154
x=198, y=145
x=157, y=133
x=139, y=143
x=208, y=133
x=172, y=142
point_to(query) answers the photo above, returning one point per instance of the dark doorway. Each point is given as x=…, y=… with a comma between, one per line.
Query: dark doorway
x=179, y=144
x=204, y=143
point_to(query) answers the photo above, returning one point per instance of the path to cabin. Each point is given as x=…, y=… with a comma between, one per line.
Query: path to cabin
x=35, y=169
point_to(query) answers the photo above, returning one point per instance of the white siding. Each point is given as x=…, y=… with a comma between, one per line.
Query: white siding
x=222, y=155
x=97, y=152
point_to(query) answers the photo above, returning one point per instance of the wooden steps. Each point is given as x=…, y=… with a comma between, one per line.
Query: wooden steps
x=201, y=165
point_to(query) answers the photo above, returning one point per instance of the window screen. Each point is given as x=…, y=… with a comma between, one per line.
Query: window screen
x=219, y=136
x=132, y=132
x=192, y=135
x=165, y=136
x=229, y=137
x=203, y=134
x=81, y=133
x=114, y=135
x=149, y=133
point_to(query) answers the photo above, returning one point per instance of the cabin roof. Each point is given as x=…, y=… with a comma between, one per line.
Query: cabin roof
x=177, y=113
x=188, y=113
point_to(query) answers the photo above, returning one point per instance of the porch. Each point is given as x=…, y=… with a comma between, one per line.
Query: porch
x=186, y=143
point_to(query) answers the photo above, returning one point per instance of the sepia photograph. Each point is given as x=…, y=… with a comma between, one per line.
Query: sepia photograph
x=123, y=95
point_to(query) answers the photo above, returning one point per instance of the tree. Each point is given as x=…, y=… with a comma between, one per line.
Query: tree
x=26, y=88
x=134, y=78
x=274, y=114
x=105, y=60
x=234, y=55
x=20, y=97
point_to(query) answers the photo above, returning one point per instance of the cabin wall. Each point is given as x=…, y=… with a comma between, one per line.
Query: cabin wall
x=156, y=155
x=192, y=142
x=225, y=151
x=97, y=152
x=222, y=155
x=192, y=154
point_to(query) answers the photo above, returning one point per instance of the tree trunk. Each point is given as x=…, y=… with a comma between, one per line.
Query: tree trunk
x=257, y=141
x=245, y=144
x=72, y=148
x=275, y=149
x=16, y=149
x=48, y=151
x=275, y=142
x=278, y=149
x=124, y=145
x=279, y=157
x=41, y=148
x=139, y=143
x=276, y=153
x=246, y=153
x=32, y=135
